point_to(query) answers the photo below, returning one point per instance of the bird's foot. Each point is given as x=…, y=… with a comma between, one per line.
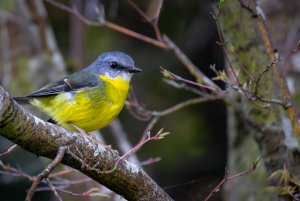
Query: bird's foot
x=83, y=132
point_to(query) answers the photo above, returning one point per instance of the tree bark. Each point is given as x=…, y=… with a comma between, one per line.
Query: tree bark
x=83, y=154
x=252, y=131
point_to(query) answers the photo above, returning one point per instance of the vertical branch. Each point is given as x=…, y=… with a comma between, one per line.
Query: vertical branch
x=5, y=47
x=77, y=35
x=46, y=35
x=279, y=75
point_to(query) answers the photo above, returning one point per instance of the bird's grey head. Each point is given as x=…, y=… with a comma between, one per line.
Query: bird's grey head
x=115, y=64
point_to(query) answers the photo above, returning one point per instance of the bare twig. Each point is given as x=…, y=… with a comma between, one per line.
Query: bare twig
x=185, y=87
x=136, y=108
x=150, y=161
x=44, y=174
x=169, y=75
x=52, y=187
x=8, y=170
x=160, y=135
x=292, y=52
x=138, y=10
x=62, y=172
x=248, y=8
x=152, y=22
x=158, y=114
x=228, y=178
x=241, y=65
x=222, y=44
x=91, y=192
x=193, y=69
x=108, y=24
x=285, y=105
x=9, y=150
x=122, y=140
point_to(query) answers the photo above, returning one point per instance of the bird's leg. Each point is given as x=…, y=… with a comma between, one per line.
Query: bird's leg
x=78, y=129
x=83, y=132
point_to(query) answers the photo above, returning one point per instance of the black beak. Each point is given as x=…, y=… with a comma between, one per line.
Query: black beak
x=133, y=69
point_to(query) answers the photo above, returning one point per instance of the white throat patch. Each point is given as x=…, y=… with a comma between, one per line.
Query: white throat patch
x=122, y=74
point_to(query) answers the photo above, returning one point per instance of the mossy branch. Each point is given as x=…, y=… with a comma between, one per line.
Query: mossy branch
x=92, y=158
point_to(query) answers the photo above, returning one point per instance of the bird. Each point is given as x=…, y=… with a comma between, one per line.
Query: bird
x=89, y=99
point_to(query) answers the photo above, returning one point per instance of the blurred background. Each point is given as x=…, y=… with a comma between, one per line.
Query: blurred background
x=42, y=43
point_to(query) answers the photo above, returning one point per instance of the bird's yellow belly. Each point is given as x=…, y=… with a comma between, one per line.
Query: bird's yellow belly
x=89, y=109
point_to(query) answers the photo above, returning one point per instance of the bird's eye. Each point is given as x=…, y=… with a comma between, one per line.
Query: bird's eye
x=113, y=64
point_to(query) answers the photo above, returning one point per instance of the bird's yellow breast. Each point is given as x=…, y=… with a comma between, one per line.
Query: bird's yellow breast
x=90, y=108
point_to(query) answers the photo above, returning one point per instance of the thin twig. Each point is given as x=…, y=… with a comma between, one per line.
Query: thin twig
x=173, y=76
x=91, y=192
x=192, y=68
x=185, y=87
x=292, y=52
x=66, y=171
x=62, y=183
x=8, y=170
x=150, y=161
x=108, y=24
x=9, y=150
x=241, y=65
x=44, y=174
x=228, y=178
x=52, y=187
x=185, y=104
x=122, y=140
x=158, y=114
x=222, y=44
x=160, y=135
x=139, y=11
x=153, y=23
x=248, y=8
x=136, y=108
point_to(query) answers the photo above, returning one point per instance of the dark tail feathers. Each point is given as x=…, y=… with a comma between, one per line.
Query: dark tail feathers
x=22, y=100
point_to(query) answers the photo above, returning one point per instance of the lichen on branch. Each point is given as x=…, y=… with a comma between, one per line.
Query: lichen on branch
x=91, y=158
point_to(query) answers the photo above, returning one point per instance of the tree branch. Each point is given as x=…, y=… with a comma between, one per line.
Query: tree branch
x=279, y=75
x=45, y=173
x=45, y=139
x=108, y=24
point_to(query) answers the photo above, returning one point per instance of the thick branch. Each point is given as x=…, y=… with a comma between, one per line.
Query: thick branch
x=91, y=158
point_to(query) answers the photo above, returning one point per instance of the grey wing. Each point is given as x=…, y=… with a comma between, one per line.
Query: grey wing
x=74, y=82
